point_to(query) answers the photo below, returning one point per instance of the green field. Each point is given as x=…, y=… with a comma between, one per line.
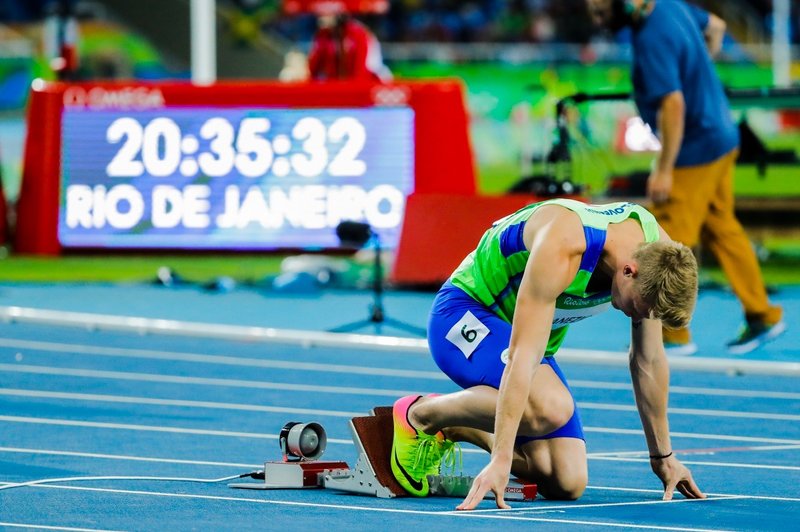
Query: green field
x=783, y=268
x=136, y=268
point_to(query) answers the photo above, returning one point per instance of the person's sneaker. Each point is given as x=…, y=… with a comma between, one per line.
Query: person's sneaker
x=680, y=350
x=753, y=335
x=415, y=455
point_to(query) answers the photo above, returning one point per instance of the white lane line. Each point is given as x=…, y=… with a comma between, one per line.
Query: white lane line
x=686, y=452
x=694, y=412
x=200, y=381
x=717, y=495
x=696, y=436
x=590, y=456
x=159, y=428
x=578, y=506
x=690, y=390
x=507, y=515
x=117, y=352
x=84, y=349
x=700, y=463
x=50, y=527
x=308, y=339
x=713, y=496
x=147, y=428
x=52, y=452
x=241, y=383
x=90, y=397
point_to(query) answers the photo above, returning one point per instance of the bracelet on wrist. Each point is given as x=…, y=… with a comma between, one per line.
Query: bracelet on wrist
x=660, y=456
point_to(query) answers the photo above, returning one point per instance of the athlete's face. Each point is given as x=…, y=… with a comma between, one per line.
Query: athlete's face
x=625, y=296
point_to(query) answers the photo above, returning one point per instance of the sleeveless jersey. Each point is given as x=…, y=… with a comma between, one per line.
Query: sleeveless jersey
x=492, y=273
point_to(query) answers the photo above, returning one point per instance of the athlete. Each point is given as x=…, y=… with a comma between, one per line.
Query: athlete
x=497, y=323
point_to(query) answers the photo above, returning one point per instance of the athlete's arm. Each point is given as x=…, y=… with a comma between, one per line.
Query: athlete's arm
x=552, y=264
x=650, y=377
x=671, y=128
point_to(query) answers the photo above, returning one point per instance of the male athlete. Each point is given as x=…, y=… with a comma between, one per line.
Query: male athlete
x=497, y=323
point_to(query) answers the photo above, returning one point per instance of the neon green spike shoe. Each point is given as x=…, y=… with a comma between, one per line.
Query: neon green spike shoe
x=415, y=455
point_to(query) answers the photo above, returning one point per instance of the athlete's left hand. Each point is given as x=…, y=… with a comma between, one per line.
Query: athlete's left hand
x=674, y=475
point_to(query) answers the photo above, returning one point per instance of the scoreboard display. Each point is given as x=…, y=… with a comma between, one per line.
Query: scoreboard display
x=245, y=165
x=232, y=178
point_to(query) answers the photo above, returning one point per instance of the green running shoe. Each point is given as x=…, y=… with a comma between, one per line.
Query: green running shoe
x=415, y=455
x=753, y=335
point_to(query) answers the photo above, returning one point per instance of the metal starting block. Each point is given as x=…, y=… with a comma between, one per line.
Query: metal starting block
x=372, y=474
x=372, y=436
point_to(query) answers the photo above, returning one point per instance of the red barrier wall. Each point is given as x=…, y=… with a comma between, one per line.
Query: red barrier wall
x=444, y=162
x=439, y=230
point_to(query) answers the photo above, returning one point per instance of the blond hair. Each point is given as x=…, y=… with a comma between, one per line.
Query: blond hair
x=667, y=279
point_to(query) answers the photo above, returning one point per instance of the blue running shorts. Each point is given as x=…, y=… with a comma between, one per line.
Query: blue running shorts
x=469, y=343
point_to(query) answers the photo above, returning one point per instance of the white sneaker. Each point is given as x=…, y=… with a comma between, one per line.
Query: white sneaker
x=680, y=350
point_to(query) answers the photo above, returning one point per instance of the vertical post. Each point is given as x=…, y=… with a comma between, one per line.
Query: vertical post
x=204, y=41
x=781, y=47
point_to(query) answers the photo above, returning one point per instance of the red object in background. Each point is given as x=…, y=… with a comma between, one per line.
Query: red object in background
x=790, y=119
x=439, y=230
x=4, y=229
x=346, y=51
x=443, y=157
x=334, y=7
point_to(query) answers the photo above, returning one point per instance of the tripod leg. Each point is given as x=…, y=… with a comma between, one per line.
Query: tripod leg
x=407, y=327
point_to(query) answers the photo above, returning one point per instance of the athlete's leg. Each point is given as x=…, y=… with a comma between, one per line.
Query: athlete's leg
x=549, y=407
x=556, y=459
x=556, y=464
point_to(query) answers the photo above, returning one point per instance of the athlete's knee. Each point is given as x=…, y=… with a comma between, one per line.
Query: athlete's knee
x=538, y=420
x=566, y=484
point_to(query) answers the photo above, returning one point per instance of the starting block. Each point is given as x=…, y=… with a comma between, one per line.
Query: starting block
x=372, y=474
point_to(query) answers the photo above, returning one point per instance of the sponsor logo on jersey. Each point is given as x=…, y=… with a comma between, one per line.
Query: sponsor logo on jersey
x=612, y=211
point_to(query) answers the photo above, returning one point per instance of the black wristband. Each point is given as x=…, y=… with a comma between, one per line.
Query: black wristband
x=660, y=457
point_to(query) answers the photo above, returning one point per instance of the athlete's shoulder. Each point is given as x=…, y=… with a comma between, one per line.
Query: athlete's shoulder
x=553, y=224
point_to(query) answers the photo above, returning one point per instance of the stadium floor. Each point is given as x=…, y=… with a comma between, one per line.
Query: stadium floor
x=85, y=400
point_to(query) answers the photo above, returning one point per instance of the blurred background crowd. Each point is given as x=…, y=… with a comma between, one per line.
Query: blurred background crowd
x=517, y=59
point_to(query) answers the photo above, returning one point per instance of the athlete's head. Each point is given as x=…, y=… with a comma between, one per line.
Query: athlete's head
x=660, y=283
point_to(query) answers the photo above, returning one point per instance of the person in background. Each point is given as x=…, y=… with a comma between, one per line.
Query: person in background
x=680, y=96
x=345, y=49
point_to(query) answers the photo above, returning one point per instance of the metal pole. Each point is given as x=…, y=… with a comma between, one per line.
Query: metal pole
x=204, y=41
x=781, y=47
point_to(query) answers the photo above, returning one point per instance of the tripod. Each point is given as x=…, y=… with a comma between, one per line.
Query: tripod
x=377, y=314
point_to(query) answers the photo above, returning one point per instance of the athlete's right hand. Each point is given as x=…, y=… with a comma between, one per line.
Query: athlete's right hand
x=494, y=477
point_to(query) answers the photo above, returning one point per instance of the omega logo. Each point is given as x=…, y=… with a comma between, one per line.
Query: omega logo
x=122, y=98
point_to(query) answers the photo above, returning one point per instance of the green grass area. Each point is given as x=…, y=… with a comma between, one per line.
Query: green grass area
x=139, y=268
x=779, y=270
x=593, y=167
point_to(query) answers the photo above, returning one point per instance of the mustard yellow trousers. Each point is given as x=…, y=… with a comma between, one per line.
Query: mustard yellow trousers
x=700, y=209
